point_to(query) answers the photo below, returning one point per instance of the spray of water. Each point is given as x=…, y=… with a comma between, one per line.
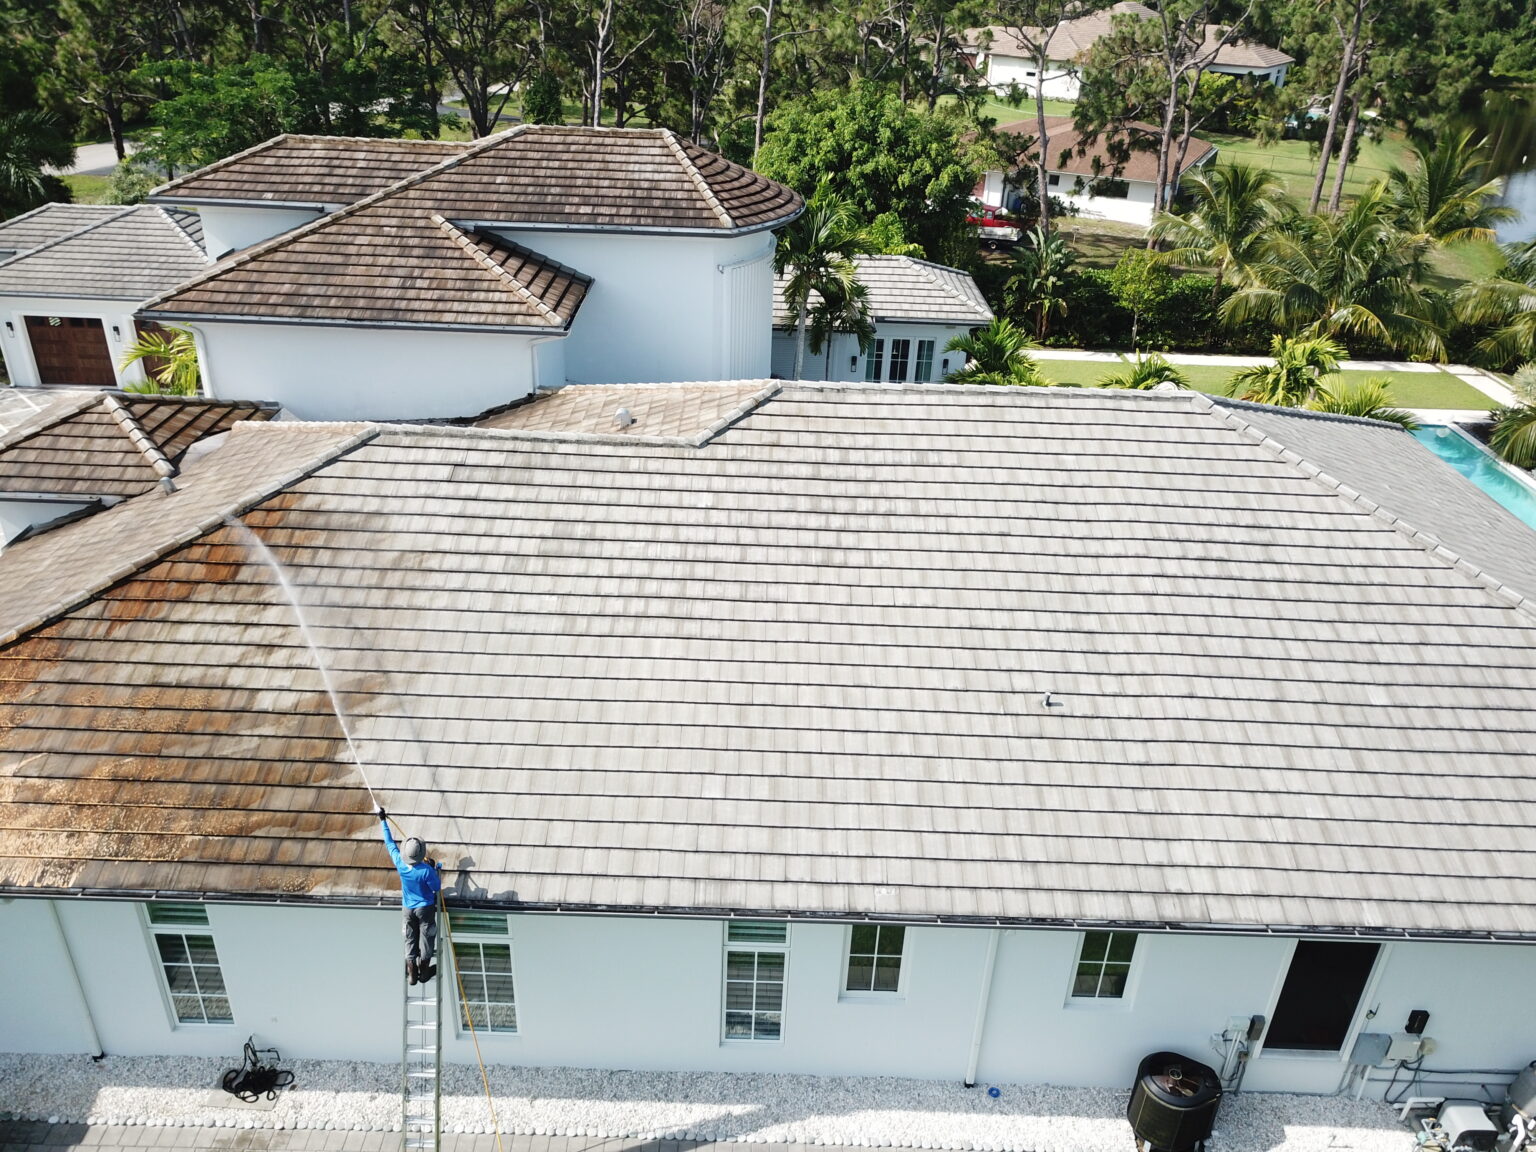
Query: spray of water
x=258, y=546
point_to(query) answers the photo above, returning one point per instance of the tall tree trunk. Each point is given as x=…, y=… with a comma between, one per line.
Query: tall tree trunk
x=1344, y=154
x=762, y=75
x=800, y=325
x=599, y=59
x=1346, y=67
x=1042, y=179
x=112, y=107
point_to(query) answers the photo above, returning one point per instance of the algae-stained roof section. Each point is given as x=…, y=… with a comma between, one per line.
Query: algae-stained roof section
x=902, y=288
x=130, y=255
x=308, y=170
x=48, y=223
x=387, y=264
x=801, y=668
x=111, y=444
x=689, y=412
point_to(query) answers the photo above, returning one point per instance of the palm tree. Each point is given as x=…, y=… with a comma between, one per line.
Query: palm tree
x=1514, y=427
x=1039, y=286
x=814, y=253
x=1370, y=397
x=1293, y=377
x=996, y=354
x=1448, y=196
x=170, y=362
x=29, y=142
x=1147, y=372
x=842, y=308
x=1342, y=275
x=1508, y=304
x=1235, y=207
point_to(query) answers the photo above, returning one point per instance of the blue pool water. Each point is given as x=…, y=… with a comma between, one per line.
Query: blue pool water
x=1480, y=467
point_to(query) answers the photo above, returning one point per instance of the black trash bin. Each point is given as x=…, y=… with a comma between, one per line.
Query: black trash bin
x=1173, y=1103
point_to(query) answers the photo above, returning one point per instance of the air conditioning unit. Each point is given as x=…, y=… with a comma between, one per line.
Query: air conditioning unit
x=1173, y=1103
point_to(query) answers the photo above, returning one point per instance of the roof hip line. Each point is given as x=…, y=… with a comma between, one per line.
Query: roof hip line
x=137, y=436
x=698, y=178
x=461, y=238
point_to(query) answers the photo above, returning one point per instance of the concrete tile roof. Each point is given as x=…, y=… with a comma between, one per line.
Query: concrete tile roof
x=691, y=412
x=134, y=253
x=95, y=443
x=399, y=256
x=902, y=288
x=1073, y=39
x=1067, y=153
x=294, y=169
x=1027, y=654
x=51, y=221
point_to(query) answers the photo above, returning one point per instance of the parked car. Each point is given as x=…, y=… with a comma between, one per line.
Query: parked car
x=994, y=225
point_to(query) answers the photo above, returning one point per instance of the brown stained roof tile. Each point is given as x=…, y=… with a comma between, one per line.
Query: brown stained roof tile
x=800, y=669
x=1074, y=38
x=111, y=444
x=388, y=260
x=1066, y=152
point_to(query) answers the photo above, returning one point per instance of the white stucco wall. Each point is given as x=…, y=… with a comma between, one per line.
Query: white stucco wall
x=666, y=308
x=645, y=993
x=322, y=372
x=227, y=229
x=843, y=359
x=1061, y=81
x=17, y=349
x=1275, y=75
x=16, y=515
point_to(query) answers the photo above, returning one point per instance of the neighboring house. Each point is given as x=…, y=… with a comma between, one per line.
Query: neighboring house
x=917, y=308
x=65, y=453
x=1006, y=61
x=68, y=303
x=985, y=734
x=543, y=254
x=1088, y=177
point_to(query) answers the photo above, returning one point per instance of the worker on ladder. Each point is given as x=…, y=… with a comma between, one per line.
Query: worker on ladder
x=420, y=882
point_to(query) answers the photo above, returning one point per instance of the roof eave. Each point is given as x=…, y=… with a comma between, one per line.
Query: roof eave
x=206, y=201
x=224, y=318
x=629, y=229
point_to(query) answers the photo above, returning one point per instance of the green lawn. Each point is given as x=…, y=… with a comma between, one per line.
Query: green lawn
x=1008, y=114
x=88, y=189
x=1295, y=161
x=1084, y=372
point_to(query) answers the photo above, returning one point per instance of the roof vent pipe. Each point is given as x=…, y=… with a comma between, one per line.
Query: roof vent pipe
x=167, y=485
x=623, y=418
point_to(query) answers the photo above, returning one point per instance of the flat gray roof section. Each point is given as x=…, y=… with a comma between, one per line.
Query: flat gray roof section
x=130, y=255
x=48, y=223
x=1001, y=655
x=903, y=288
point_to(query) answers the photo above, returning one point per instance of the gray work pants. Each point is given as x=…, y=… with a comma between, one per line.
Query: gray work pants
x=421, y=934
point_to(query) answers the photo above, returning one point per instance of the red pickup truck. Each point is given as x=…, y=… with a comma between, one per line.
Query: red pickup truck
x=994, y=225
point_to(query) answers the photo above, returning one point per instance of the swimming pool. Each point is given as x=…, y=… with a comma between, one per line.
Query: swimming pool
x=1481, y=467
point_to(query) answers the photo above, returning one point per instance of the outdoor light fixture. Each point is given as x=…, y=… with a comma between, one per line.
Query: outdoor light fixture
x=853, y=362
x=10, y=329
x=117, y=333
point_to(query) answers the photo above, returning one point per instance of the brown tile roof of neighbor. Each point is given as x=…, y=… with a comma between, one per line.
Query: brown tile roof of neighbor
x=95, y=443
x=902, y=288
x=130, y=255
x=308, y=170
x=423, y=253
x=1007, y=655
x=50, y=222
x=1074, y=38
x=1064, y=142
x=686, y=412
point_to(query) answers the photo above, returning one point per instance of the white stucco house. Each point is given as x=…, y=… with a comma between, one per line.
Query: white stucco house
x=1088, y=177
x=917, y=307
x=1007, y=61
x=998, y=735
x=71, y=288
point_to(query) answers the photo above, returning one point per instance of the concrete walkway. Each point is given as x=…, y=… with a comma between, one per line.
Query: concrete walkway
x=25, y=1136
x=94, y=160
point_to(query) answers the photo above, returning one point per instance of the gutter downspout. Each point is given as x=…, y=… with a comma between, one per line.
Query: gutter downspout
x=983, y=1000
x=74, y=976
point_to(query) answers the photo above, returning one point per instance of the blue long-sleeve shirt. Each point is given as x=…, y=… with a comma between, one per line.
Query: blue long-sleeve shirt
x=419, y=883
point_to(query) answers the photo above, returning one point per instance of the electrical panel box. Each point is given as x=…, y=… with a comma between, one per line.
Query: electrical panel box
x=1370, y=1049
x=1418, y=1020
x=1404, y=1047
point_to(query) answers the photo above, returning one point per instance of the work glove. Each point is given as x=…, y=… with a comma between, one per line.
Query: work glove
x=378, y=810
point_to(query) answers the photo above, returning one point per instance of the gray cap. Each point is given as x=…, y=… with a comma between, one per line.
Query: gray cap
x=414, y=850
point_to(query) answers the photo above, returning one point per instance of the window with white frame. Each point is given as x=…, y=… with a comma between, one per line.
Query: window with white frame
x=482, y=960
x=874, y=957
x=1103, y=965
x=924, y=371
x=756, y=955
x=189, y=963
x=874, y=358
x=901, y=356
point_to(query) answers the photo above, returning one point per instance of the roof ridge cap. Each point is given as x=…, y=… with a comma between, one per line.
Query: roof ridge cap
x=461, y=238
x=285, y=238
x=202, y=527
x=137, y=436
x=1430, y=543
x=697, y=177
x=80, y=231
x=202, y=253
x=219, y=164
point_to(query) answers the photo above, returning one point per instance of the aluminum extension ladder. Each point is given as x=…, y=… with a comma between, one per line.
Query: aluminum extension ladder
x=421, y=1066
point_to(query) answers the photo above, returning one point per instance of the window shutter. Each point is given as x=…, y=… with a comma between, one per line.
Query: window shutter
x=757, y=932
x=177, y=914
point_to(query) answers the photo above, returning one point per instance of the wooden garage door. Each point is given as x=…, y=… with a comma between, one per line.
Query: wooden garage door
x=70, y=350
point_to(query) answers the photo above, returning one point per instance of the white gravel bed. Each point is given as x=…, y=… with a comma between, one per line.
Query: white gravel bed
x=841, y=1111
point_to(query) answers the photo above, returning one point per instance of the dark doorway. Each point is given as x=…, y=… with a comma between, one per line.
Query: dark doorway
x=1322, y=990
x=70, y=350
